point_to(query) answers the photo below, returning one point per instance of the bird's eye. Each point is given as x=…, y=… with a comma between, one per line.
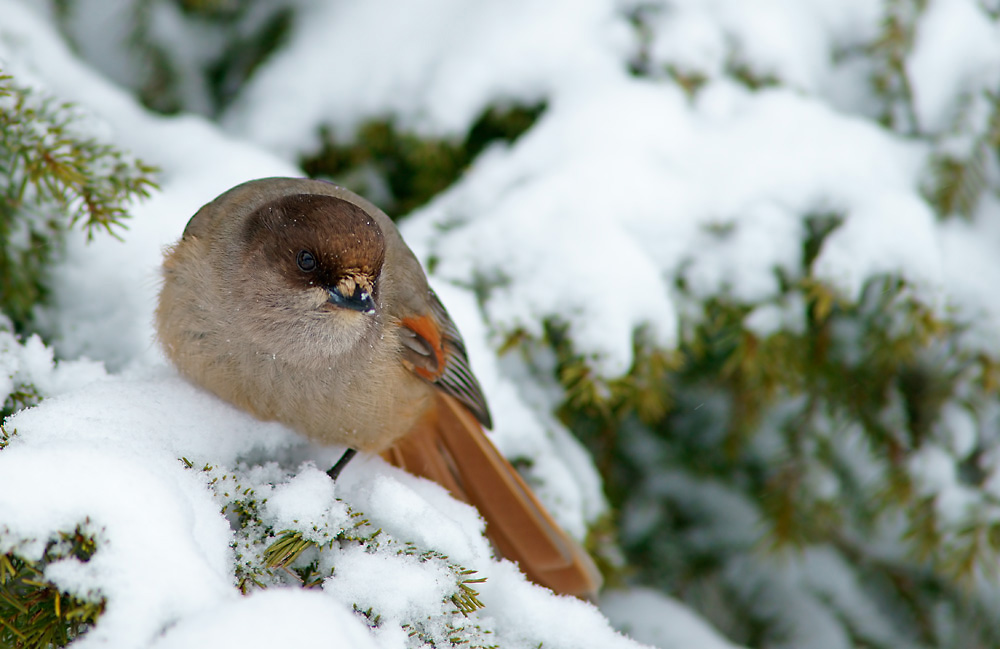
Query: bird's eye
x=306, y=261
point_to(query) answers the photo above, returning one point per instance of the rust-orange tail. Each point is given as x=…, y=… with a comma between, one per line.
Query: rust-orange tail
x=451, y=448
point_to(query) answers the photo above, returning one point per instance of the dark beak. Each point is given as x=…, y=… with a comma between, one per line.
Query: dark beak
x=360, y=301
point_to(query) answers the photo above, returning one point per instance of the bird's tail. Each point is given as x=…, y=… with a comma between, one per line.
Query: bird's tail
x=451, y=448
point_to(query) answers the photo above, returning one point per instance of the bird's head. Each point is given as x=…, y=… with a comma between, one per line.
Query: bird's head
x=313, y=261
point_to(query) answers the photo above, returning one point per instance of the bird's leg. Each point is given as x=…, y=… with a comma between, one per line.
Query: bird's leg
x=341, y=463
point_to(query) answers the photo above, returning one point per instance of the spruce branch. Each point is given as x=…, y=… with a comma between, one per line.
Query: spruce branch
x=53, y=176
x=404, y=170
x=34, y=613
x=267, y=557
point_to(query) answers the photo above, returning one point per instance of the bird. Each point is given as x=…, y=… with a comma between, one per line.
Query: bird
x=298, y=301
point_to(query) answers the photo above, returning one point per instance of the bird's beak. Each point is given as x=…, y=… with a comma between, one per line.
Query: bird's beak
x=360, y=301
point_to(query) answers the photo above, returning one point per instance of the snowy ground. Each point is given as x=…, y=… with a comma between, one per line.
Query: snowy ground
x=620, y=169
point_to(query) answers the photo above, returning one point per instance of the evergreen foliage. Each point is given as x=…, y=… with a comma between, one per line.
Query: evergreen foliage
x=240, y=36
x=34, y=613
x=267, y=557
x=23, y=396
x=402, y=171
x=53, y=176
x=817, y=437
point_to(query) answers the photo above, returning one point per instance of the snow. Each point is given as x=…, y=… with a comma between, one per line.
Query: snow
x=784, y=39
x=813, y=622
x=971, y=276
x=398, y=588
x=406, y=514
x=108, y=455
x=935, y=471
x=787, y=315
x=307, y=500
x=956, y=53
x=958, y=427
x=146, y=514
x=276, y=617
x=438, y=89
x=865, y=246
x=643, y=199
x=32, y=363
x=649, y=616
x=625, y=189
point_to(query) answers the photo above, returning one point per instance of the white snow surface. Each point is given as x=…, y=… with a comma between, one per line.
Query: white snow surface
x=623, y=188
x=277, y=617
x=649, y=616
x=956, y=52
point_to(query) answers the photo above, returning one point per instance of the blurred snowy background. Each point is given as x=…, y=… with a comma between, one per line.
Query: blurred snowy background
x=729, y=273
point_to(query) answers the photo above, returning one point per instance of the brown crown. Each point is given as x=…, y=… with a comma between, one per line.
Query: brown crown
x=344, y=239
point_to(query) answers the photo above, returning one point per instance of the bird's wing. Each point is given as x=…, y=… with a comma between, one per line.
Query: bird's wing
x=434, y=349
x=448, y=445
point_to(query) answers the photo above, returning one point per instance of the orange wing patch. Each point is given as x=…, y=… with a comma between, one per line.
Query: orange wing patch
x=433, y=349
x=426, y=329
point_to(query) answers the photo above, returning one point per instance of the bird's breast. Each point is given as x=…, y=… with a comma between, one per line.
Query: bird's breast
x=365, y=400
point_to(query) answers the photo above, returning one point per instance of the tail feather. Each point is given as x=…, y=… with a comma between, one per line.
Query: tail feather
x=423, y=453
x=450, y=447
